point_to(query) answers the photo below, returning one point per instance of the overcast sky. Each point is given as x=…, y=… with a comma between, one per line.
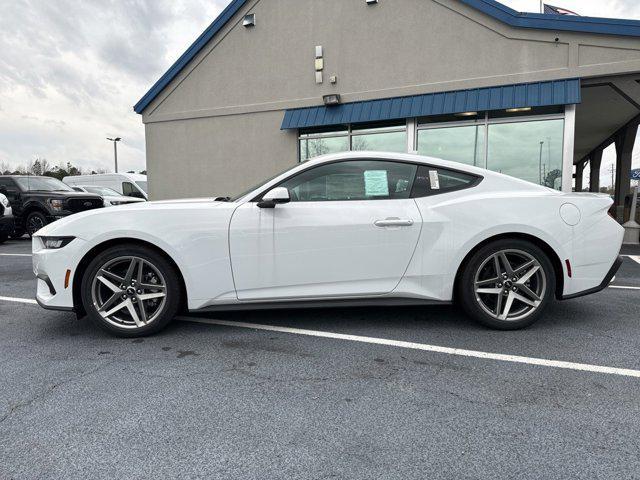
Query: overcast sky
x=70, y=71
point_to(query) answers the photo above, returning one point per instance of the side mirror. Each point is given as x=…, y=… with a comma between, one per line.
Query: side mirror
x=274, y=197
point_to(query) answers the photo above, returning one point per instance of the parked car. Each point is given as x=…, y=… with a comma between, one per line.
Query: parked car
x=128, y=184
x=346, y=229
x=111, y=197
x=6, y=219
x=38, y=201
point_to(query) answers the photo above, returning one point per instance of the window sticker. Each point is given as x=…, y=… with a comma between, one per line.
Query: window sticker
x=434, y=180
x=402, y=185
x=376, y=183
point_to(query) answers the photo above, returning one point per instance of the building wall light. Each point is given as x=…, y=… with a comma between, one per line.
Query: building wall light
x=516, y=110
x=466, y=114
x=249, y=20
x=331, y=100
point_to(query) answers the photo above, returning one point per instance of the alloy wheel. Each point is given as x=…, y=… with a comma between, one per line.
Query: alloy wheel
x=510, y=285
x=129, y=292
x=35, y=223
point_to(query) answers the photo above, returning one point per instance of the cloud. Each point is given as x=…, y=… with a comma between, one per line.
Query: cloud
x=70, y=72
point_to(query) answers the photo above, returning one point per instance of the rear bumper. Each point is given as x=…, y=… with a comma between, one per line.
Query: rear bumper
x=605, y=283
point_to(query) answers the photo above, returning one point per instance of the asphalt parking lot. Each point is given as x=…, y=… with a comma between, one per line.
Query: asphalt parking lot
x=205, y=400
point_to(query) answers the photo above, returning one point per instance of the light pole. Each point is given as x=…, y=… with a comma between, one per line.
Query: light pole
x=540, y=164
x=115, y=141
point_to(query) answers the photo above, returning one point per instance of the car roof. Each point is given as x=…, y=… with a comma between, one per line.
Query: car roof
x=403, y=157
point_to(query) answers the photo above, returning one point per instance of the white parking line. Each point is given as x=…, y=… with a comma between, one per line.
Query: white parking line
x=15, y=255
x=424, y=347
x=624, y=287
x=584, y=367
x=19, y=300
x=635, y=258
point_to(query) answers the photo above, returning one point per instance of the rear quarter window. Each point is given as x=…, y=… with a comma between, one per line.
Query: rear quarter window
x=435, y=180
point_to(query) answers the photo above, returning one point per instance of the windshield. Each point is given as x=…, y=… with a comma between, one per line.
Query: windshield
x=42, y=184
x=142, y=185
x=264, y=182
x=104, y=191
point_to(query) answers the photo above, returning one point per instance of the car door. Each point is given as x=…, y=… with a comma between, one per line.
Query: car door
x=350, y=229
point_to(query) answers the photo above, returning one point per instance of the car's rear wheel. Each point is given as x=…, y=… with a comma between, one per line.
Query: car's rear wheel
x=507, y=284
x=35, y=221
x=131, y=291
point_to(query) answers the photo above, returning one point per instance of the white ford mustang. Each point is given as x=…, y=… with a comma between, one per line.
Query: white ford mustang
x=348, y=229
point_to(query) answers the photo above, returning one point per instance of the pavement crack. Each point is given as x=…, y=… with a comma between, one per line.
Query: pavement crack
x=44, y=393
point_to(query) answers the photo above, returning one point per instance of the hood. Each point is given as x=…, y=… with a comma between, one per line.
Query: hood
x=127, y=215
x=120, y=198
x=185, y=200
x=62, y=194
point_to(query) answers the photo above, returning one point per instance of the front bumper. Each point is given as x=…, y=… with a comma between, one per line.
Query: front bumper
x=605, y=283
x=50, y=267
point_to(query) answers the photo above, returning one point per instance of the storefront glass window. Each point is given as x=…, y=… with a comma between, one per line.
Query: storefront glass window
x=530, y=150
x=314, y=147
x=459, y=144
x=380, y=141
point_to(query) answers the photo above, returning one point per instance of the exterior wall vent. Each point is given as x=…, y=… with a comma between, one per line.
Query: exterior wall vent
x=249, y=20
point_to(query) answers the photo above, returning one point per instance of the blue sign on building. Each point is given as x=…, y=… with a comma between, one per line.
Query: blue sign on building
x=635, y=174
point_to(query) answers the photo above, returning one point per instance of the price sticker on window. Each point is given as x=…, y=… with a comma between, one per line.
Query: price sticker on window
x=434, y=180
x=376, y=183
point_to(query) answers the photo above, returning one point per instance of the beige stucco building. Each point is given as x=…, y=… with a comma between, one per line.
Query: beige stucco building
x=535, y=96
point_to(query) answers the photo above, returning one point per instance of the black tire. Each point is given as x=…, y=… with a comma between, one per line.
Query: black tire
x=34, y=222
x=4, y=237
x=542, y=284
x=17, y=233
x=164, y=314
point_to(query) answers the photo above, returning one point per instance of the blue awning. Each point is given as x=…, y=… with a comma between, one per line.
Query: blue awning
x=538, y=94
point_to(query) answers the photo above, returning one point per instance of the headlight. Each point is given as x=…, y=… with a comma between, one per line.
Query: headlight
x=53, y=243
x=4, y=201
x=56, y=204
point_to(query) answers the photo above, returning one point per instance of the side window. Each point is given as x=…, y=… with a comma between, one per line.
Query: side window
x=128, y=188
x=435, y=180
x=353, y=180
x=8, y=184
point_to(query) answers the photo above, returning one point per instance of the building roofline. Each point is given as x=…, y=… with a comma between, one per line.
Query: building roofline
x=189, y=54
x=604, y=26
x=546, y=21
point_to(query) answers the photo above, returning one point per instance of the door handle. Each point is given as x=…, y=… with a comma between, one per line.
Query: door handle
x=394, y=222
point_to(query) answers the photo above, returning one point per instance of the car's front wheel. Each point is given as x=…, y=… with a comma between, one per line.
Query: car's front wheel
x=507, y=284
x=131, y=291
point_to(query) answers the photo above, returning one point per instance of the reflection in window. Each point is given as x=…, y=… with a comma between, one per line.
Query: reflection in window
x=314, y=147
x=380, y=142
x=531, y=151
x=352, y=180
x=457, y=144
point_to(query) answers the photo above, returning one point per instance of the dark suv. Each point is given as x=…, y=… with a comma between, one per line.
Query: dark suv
x=37, y=201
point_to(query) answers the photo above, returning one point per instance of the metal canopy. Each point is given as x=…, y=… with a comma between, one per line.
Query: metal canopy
x=538, y=94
